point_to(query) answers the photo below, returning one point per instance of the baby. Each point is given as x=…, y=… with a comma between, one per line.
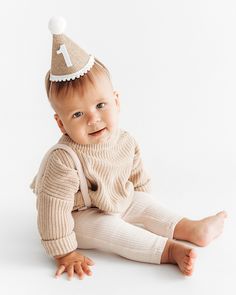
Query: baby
x=106, y=205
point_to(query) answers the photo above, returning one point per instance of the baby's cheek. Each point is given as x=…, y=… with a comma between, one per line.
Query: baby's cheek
x=113, y=116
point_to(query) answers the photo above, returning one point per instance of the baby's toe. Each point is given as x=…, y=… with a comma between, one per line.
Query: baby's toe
x=188, y=272
x=222, y=214
x=188, y=266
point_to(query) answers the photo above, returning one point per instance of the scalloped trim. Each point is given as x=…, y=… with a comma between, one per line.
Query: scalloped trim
x=81, y=72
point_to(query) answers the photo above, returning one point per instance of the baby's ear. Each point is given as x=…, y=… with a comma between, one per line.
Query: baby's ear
x=117, y=99
x=60, y=123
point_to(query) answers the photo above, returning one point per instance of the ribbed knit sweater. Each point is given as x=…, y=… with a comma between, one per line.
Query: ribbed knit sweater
x=113, y=171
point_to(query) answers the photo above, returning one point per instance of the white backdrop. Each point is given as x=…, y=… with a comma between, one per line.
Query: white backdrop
x=173, y=63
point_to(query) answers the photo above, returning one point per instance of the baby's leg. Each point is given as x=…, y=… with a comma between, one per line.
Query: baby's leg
x=96, y=230
x=159, y=220
x=200, y=232
x=145, y=210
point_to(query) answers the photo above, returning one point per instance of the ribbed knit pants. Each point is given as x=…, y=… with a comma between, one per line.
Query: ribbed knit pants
x=140, y=233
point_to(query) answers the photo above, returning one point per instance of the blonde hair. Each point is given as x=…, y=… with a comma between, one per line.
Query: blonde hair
x=59, y=90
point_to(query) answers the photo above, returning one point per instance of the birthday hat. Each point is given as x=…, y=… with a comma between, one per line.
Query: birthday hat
x=69, y=61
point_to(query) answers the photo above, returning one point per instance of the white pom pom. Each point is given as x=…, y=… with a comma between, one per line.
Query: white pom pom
x=57, y=25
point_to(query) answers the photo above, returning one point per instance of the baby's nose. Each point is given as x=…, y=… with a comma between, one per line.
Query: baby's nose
x=93, y=118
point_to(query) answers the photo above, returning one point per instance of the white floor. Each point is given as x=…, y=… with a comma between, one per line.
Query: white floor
x=25, y=268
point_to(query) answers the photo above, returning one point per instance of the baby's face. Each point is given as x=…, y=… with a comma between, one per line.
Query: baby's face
x=92, y=117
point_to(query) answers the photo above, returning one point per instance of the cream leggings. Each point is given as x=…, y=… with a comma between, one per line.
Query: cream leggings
x=140, y=233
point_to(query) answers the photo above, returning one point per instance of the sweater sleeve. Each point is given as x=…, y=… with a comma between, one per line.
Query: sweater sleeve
x=139, y=177
x=55, y=201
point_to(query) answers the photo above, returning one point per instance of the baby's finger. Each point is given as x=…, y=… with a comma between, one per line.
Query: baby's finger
x=86, y=269
x=79, y=271
x=88, y=260
x=70, y=271
x=60, y=270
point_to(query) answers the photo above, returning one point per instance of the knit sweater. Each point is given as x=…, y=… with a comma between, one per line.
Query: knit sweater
x=113, y=171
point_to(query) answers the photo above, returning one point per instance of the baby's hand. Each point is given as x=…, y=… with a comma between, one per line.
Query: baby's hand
x=73, y=262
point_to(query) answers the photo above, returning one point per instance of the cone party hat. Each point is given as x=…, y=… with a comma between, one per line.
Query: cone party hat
x=69, y=61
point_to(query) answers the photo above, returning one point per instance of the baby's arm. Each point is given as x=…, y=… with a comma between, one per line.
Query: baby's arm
x=55, y=202
x=139, y=177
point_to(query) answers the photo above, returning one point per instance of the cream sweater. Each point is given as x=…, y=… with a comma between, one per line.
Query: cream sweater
x=113, y=171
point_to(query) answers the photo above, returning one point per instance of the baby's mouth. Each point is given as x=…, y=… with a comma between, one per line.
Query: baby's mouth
x=98, y=132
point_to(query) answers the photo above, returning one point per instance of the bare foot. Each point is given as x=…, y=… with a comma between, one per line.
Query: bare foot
x=207, y=229
x=200, y=232
x=183, y=256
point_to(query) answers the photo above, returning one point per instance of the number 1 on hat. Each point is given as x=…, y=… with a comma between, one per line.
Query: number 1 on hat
x=65, y=54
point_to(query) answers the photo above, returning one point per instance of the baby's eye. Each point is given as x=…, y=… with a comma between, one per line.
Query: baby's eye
x=77, y=114
x=101, y=105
